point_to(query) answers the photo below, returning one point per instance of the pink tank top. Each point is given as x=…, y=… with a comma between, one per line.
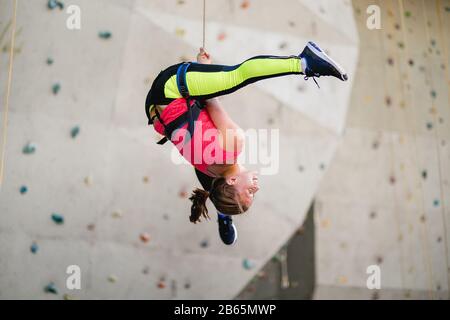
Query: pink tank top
x=204, y=148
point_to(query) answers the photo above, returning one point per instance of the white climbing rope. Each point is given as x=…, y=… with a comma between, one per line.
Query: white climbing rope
x=204, y=22
x=8, y=91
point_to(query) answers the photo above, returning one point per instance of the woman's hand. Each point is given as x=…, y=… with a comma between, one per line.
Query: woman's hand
x=203, y=57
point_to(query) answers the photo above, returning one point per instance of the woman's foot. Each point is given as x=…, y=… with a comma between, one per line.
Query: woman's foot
x=227, y=230
x=316, y=63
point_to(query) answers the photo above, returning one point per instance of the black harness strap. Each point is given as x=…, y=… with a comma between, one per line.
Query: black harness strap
x=189, y=117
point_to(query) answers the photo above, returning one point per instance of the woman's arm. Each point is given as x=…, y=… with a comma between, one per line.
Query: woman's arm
x=231, y=135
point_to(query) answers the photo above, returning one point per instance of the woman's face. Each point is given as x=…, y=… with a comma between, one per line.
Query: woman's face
x=246, y=184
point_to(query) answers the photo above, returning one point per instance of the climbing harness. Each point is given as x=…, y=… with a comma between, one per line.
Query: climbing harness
x=189, y=117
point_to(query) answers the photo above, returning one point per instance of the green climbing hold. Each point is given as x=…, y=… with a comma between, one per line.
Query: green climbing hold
x=429, y=125
x=51, y=288
x=75, y=131
x=56, y=88
x=105, y=34
x=29, y=148
x=407, y=14
x=436, y=203
x=433, y=94
x=57, y=218
x=424, y=174
x=50, y=61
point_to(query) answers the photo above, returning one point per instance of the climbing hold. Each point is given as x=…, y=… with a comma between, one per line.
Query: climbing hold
x=180, y=2
x=50, y=61
x=74, y=132
x=407, y=14
x=52, y=4
x=166, y=216
x=23, y=189
x=68, y=297
x=29, y=148
x=411, y=62
x=325, y=223
x=57, y=218
x=180, y=32
x=56, y=88
x=322, y=166
x=433, y=94
x=423, y=218
x=436, y=202
x=34, y=248
x=112, y=278
x=145, y=179
x=301, y=168
x=117, y=214
x=88, y=181
x=291, y=24
x=187, y=285
x=401, y=45
x=375, y=145
x=146, y=270
x=390, y=61
x=424, y=174
x=388, y=101
x=433, y=42
x=247, y=264
x=429, y=125
x=161, y=284
x=282, y=45
x=183, y=193
x=91, y=227
x=204, y=244
x=145, y=237
x=105, y=35
x=51, y=288
x=397, y=26
x=439, y=239
x=342, y=279
x=245, y=4
x=392, y=179
x=222, y=36
x=375, y=296
x=379, y=260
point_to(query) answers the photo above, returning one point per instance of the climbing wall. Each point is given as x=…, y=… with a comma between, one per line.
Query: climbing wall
x=385, y=200
x=85, y=183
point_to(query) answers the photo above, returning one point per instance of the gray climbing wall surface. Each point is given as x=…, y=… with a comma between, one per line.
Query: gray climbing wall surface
x=385, y=199
x=85, y=184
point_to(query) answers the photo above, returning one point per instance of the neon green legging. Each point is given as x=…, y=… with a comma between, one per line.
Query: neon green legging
x=206, y=81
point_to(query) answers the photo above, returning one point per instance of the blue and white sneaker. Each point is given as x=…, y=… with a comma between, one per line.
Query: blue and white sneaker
x=227, y=230
x=316, y=63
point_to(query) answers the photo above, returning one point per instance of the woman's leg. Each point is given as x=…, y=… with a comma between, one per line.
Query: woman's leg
x=208, y=81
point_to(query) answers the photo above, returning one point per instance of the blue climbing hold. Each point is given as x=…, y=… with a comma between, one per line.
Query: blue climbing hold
x=29, y=148
x=57, y=218
x=23, y=189
x=75, y=131
x=34, y=248
x=52, y=4
x=51, y=288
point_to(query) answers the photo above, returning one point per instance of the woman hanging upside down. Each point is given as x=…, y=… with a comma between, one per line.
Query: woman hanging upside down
x=206, y=136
